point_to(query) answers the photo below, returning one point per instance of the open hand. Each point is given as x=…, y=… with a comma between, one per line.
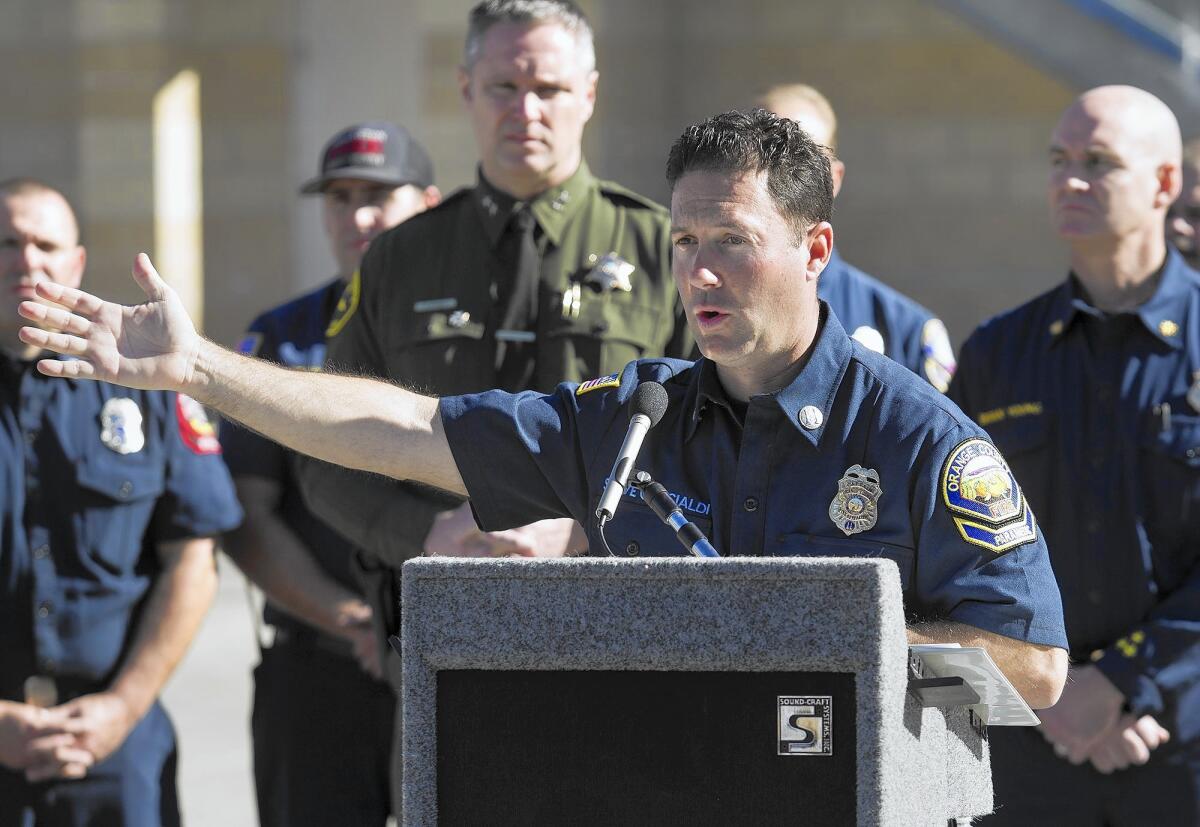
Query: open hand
x=151, y=345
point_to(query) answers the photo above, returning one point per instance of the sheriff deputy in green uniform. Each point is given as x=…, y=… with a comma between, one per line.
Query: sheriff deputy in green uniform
x=539, y=273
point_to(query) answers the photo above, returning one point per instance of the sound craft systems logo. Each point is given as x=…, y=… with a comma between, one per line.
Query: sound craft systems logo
x=805, y=725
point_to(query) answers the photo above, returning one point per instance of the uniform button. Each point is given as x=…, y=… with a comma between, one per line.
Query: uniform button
x=45, y=609
x=31, y=437
x=633, y=549
x=599, y=329
x=1104, y=393
x=41, y=552
x=48, y=665
x=126, y=488
x=1093, y=526
x=1191, y=453
x=1095, y=596
x=750, y=504
x=1098, y=461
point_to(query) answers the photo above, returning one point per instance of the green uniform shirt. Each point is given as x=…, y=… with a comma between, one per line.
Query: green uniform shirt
x=423, y=311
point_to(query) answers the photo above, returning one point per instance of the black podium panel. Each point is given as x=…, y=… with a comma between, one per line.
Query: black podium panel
x=619, y=747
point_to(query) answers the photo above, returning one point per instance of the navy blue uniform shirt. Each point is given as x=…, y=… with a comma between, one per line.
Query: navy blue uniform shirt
x=1099, y=416
x=888, y=322
x=857, y=457
x=293, y=335
x=94, y=477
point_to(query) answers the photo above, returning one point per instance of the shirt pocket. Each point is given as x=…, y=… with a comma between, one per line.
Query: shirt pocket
x=446, y=352
x=608, y=334
x=1169, y=483
x=117, y=499
x=1025, y=443
x=811, y=545
x=636, y=531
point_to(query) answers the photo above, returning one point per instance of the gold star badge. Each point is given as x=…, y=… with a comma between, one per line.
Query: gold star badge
x=1168, y=328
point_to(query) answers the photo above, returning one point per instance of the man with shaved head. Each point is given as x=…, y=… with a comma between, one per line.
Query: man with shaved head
x=1183, y=222
x=876, y=315
x=1092, y=391
x=109, y=503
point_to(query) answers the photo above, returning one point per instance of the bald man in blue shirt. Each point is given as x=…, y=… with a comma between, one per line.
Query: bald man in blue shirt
x=1092, y=390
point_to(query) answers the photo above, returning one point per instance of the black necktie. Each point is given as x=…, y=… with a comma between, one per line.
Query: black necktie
x=514, y=360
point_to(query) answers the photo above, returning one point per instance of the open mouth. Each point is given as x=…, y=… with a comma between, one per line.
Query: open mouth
x=708, y=318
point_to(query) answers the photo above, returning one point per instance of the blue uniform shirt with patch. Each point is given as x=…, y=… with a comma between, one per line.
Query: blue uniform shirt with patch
x=888, y=322
x=293, y=335
x=758, y=482
x=1099, y=416
x=82, y=508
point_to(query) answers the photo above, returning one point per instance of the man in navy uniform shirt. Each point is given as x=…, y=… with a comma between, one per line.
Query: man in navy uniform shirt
x=1092, y=390
x=322, y=720
x=878, y=316
x=790, y=436
x=109, y=499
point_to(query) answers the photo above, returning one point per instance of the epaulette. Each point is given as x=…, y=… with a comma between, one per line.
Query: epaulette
x=627, y=197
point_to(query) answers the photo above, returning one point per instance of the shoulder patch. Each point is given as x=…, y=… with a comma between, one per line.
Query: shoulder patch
x=346, y=306
x=984, y=498
x=613, y=380
x=937, y=356
x=195, y=428
x=249, y=344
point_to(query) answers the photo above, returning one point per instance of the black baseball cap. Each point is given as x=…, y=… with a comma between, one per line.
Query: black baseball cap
x=377, y=151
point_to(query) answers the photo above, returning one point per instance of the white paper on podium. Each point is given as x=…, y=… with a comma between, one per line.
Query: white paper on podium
x=999, y=702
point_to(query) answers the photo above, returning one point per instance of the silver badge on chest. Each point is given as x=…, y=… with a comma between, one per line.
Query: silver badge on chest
x=121, y=426
x=855, y=508
x=610, y=273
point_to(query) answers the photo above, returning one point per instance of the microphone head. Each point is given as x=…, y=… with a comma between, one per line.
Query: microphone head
x=650, y=400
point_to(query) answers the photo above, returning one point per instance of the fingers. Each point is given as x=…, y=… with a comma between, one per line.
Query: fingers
x=63, y=761
x=68, y=370
x=1131, y=748
x=148, y=278
x=58, y=342
x=55, y=319
x=1151, y=732
x=76, y=301
x=1102, y=760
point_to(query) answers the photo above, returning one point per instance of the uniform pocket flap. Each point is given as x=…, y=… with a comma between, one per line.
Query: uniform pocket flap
x=1180, y=440
x=121, y=481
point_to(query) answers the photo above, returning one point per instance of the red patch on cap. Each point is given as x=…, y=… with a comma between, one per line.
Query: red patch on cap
x=195, y=429
x=358, y=145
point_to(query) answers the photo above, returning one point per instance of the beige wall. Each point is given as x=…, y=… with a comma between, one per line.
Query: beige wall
x=943, y=132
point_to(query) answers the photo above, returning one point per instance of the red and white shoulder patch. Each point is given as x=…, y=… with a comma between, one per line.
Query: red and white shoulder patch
x=195, y=428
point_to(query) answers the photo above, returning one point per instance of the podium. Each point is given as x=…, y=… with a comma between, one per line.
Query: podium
x=673, y=691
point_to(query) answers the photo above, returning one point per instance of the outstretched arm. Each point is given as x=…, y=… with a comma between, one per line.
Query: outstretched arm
x=380, y=427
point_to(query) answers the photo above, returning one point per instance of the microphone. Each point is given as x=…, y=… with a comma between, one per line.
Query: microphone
x=648, y=405
x=668, y=511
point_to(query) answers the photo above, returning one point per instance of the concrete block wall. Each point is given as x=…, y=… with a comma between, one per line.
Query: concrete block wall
x=943, y=132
